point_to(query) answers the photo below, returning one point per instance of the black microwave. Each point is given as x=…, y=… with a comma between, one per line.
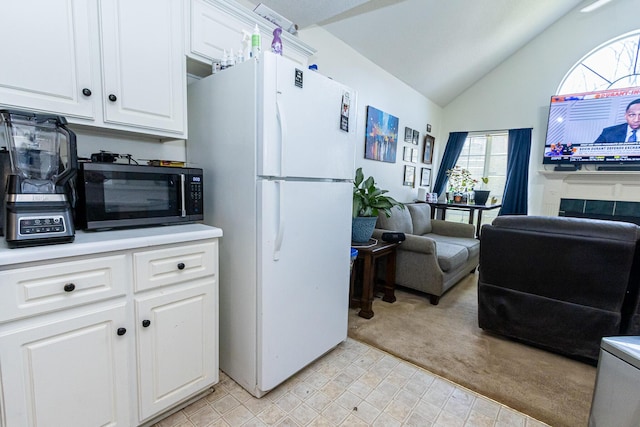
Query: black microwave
x=112, y=195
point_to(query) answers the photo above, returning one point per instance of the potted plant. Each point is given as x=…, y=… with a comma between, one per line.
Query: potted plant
x=482, y=195
x=460, y=182
x=368, y=201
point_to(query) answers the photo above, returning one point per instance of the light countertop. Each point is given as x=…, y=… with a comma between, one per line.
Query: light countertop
x=93, y=242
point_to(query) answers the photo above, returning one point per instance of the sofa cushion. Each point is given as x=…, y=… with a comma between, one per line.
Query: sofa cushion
x=400, y=221
x=472, y=245
x=451, y=256
x=420, y=217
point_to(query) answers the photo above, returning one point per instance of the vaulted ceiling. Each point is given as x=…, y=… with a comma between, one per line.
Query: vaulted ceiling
x=438, y=47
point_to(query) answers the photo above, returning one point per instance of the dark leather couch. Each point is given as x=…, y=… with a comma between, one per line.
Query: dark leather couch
x=559, y=283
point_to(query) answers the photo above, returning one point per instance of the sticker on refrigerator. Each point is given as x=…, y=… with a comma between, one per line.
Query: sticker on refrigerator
x=298, y=81
x=344, y=112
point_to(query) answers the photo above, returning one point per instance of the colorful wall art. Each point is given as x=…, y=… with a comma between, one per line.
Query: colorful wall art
x=381, y=138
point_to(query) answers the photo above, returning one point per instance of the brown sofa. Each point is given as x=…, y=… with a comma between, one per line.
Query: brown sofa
x=435, y=255
x=559, y=283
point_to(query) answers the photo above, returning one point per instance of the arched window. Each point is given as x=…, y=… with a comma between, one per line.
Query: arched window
x=612, y=65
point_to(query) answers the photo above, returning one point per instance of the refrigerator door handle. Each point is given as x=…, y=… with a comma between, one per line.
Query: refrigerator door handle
x=280, y=232
x=283, y=135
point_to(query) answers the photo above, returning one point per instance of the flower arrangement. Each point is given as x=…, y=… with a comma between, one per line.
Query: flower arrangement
x=460, y=180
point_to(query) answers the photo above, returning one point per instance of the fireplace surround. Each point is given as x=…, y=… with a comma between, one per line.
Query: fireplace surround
x=592, y=194
x=601, y=209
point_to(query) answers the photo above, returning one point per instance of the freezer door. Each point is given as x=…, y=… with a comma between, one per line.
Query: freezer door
x=303, y=277
x=303, y=112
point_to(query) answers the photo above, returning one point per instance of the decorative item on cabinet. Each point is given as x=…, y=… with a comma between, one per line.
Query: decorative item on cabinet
x=276, y=44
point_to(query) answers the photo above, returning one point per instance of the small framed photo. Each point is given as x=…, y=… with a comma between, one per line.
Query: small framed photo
x=408, y=134
x=425, y=179
x=428, y=127
x=406, y=154
x=414, y=155
x=416, y=136
x=429, y=141
x=409, y=176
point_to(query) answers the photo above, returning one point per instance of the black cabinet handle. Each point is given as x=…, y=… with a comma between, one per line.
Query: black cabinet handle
x=69, y=287
x=113, y=98
x=146, y=323
x=86, y=92
x=181, y=266
x=121, y=331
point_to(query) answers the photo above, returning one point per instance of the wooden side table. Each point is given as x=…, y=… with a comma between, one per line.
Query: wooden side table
x=368, y=256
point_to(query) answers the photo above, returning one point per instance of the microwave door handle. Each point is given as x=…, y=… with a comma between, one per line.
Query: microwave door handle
x=183, y=208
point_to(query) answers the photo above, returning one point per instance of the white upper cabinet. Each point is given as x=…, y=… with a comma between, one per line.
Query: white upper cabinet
x=48, y=56
x=144, y=71
x=216, y=25
x=113, y=64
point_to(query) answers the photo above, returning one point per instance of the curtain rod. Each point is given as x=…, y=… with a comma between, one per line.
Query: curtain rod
x=496, y=130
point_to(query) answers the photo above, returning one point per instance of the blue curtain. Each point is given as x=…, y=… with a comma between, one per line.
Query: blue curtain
x=514, y=200
x=449, y=158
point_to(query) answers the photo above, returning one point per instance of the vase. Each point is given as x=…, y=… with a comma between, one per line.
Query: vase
x=481, y=197
x=362, y=228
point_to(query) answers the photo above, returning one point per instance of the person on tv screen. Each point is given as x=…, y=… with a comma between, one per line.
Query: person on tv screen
x=625, y=132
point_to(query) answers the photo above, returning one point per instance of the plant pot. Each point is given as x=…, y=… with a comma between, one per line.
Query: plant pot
x=481, y=197
x=362, y=228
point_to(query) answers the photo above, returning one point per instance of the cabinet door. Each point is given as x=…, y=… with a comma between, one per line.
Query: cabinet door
x=177, y=345
x=48, y=58
x=71, y=372
x=213, y=31
x=144, y=71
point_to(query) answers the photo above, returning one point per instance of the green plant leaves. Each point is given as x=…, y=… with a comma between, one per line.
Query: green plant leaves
x=368, y=199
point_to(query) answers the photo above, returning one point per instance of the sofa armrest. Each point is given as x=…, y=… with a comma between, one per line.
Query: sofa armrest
x=453, y=229
x=412, y=243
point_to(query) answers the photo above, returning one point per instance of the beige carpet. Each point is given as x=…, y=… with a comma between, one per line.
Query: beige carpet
x=445, y=339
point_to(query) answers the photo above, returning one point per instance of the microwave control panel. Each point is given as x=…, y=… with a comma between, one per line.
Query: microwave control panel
x=194, y=189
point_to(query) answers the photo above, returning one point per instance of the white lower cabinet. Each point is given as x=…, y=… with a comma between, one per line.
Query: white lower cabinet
x=175, y=346
x=68, y=372
x=120, y=358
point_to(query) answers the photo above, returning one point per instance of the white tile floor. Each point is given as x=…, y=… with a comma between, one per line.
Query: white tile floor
x=353, y=385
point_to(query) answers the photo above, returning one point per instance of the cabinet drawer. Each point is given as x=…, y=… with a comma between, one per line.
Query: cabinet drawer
x=164, y=267
x=40, y=289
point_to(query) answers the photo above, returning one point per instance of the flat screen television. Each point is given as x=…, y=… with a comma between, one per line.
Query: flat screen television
x=582, y=129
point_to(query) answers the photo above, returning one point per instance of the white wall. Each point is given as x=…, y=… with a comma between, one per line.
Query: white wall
x=516, y=93
x=381, y=90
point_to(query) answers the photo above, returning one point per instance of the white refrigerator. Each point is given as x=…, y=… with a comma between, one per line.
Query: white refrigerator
x=276, y=142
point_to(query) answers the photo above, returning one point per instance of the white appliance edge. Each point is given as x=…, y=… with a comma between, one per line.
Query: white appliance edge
x=285, y=208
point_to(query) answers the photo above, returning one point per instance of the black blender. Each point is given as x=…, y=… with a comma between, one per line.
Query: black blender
x=40, y=186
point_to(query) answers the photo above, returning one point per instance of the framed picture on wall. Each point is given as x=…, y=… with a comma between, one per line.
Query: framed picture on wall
x=416, y=136
x=406, y=154
x=381, y=137
x=425, y=179
x=414, y=155
x=409, y=176
x=429, y=142
x=408, y=134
